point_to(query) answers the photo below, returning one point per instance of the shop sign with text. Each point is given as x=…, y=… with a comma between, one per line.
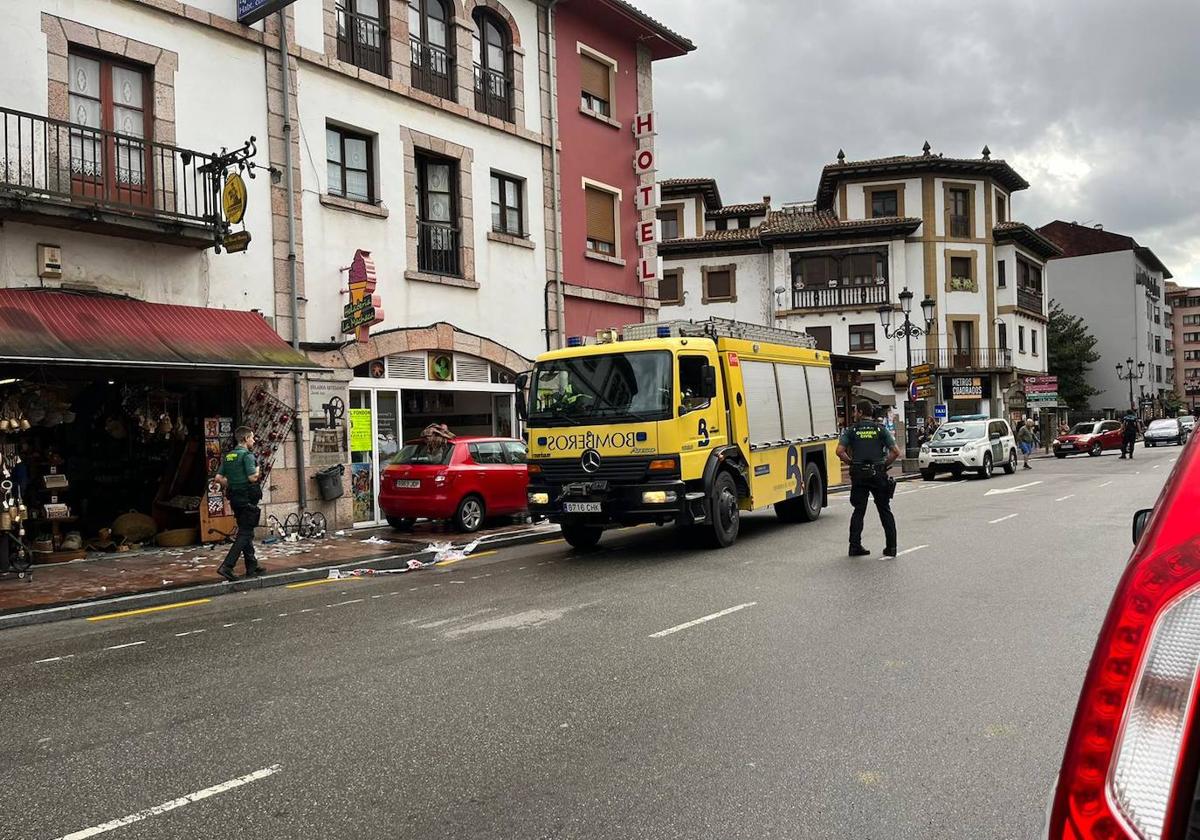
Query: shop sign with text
x=365, y=309
x=647, y=197
x=966, y=388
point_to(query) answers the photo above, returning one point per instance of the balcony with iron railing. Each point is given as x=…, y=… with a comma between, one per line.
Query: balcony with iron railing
x=493, y=93
x=362, y=41
x=439, y=248
x=1030, y=300
x=960, y=226
x=839, y=297
x=432, y=69
x=66, y=174
x=964, y=359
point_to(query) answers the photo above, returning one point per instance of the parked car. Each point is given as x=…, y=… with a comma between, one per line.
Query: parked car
x=465, y=481
x=1189, y=423
x=1129, y=770
x=1167, y=430
x=1092, y=437
x=976, y=444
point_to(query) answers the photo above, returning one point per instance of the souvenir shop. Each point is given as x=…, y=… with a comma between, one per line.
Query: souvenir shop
x=110, y=433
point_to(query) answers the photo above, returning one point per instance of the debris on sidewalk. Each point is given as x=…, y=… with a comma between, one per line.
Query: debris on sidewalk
x=375, y=541
x=442, y=553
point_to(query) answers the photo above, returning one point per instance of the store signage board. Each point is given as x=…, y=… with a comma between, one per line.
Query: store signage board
x=360, y=430
x=252, y=11
x=365, y=308
x=966, y=387
x=233, y=199
x=647, y=196
x=922, y=370
x=320, y=392
x=236, y=242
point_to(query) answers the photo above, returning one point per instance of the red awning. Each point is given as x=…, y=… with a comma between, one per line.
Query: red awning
x=60, y=327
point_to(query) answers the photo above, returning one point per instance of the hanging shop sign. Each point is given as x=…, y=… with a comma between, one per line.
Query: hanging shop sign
x=966, y=388
x=252, y=11
x=365, y=309
x=237, y=241
x=647, y=232
x=233, y=198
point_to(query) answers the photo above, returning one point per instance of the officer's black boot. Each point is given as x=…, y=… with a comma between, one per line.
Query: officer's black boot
x=859, y=551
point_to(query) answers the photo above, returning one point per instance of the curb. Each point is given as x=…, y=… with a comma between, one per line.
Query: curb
x=47, y=615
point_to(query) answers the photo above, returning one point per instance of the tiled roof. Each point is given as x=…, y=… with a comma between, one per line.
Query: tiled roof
x=738, y=235
x=788, y=221
x=707, y=186
x=995, y=168
x=660, y=28
x=758, y=208
x=1027, y=236
x=678, y=183
x=1076, y=240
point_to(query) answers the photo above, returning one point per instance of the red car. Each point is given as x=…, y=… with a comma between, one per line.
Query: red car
x=1092, y=437
x=465, y=481
x=1132, y=760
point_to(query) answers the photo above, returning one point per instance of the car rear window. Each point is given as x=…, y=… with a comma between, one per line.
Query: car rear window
x=421, y=453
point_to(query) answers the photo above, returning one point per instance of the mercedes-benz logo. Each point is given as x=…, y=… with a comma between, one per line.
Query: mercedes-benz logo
x=590, y=460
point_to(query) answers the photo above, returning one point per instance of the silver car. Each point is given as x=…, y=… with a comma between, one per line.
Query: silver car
x=1167, y=430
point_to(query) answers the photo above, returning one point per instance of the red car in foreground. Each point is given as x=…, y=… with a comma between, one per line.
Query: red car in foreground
x=1131, y=761
x=465, y=480
x=1092, y=437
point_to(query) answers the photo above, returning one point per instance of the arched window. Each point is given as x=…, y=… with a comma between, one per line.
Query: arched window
x=431, y=35
x=492, y=48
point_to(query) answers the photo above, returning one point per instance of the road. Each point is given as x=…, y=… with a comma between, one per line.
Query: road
x=534, y=693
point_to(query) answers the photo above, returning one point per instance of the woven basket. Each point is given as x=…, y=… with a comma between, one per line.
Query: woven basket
x=134, y=527
x=178, y=537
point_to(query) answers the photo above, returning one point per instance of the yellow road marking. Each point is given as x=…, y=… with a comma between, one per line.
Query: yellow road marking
x=146, y=610
x=305, y=583
x=471, y=557
x=551, y=542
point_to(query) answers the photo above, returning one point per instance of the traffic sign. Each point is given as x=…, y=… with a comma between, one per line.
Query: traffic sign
x=922, y=370
x=1041, y=384
x=913, y=391
x=939, y=411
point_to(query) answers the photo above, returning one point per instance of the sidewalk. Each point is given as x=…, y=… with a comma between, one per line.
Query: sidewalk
x=160, y=575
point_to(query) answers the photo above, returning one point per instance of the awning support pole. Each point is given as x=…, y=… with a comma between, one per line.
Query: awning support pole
x=289, y=186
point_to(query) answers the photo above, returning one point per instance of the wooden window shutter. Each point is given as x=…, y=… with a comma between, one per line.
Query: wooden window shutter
x=601, y=221
x=594, y=77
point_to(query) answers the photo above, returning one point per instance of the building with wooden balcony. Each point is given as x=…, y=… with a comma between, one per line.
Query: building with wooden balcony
x=938, y=226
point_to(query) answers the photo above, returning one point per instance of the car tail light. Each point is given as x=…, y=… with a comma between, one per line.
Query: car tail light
x=1132, y=726
x=442, y=477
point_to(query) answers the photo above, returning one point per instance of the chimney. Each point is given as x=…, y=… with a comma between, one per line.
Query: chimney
x=767, y=201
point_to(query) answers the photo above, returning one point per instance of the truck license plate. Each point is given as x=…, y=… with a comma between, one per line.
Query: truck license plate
x=581, y=507
x=408, y=484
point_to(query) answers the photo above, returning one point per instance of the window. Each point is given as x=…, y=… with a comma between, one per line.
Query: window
x=1020, y=339
x=1002, y=336
x=884, y=203
x=491, y=46
x=823, y=337
x=862, y=338
x=1158, y=373
x=670, y=287
x=507, y=211
x=595, y=85
x=601, y=221
x=1191, y=320
x=719, y=284
x=722, y=223
x=491, y=453
x=958, y=202
x=429, y=30
x=516, y=452
x=362, y=34
x=962, y=275
x=107, y=96
x=1033, y=348
x=349, y=164
x=669, y=221
x=823, y=270
x=1157, y=344
x=1001, y=208
x=1191, y=337
x=437, y=215
x=691, y=382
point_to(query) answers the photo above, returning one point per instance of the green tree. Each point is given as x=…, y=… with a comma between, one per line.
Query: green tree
x=1072, y=350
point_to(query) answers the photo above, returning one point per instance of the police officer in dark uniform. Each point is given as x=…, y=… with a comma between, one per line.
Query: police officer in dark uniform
x=239, y=476
x=869, y=449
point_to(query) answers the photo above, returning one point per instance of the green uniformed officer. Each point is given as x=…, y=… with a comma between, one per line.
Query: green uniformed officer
x=869, y=449
x=239, y=476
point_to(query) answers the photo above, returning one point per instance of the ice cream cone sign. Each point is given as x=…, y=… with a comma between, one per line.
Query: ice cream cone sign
x=365, y=308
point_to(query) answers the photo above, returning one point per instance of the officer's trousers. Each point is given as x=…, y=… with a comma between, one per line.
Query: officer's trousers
x=1127, y=443
x=247, y=515
x=860, y=494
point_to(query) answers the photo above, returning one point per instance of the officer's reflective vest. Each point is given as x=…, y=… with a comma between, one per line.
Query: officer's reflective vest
x=866, y=443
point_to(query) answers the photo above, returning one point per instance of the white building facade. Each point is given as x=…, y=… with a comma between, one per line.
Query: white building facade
x=936, y=226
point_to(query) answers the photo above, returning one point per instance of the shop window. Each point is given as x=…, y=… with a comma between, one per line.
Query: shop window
x=109, y=104
x=601, y=221
x=691, y=382
x=350, y=164
x=670, y=287
x=507, y=204
x=862, y=338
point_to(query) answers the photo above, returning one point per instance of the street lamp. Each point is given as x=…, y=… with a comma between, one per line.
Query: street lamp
x=1134, y=373
x=909, y=331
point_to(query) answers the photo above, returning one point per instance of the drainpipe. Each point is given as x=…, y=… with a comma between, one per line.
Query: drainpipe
x=290, y=189
x=559, y=301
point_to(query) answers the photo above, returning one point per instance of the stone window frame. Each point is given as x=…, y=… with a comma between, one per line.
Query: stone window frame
x=413, y=142
x=61, y=33
x=710, y=269
x=677, y=273
x=462, y=13
x=973, y=256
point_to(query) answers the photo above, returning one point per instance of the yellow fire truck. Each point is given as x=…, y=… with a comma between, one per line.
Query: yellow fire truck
x=688, y=422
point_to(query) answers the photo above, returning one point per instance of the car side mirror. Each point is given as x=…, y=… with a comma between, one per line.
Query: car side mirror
x=521, y=404
x=708, y=382
x=1140, y=520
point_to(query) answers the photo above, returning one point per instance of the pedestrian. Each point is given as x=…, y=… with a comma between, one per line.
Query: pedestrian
x=1129, y=431
x=1026, y=440
x=239, y=477
x=868, y=448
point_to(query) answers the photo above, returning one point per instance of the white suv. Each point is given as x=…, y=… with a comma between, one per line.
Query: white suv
x=969, y=443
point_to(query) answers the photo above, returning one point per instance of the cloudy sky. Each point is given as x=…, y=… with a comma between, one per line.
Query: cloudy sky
x=1096, y=103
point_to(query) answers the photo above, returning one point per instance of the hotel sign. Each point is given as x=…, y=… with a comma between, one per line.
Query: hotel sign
x=647, y=197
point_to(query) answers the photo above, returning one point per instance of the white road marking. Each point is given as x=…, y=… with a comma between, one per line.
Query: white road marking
x=911, y=550
x=344, y=603
x=1156, y=466
x=1016, y=489
x=1064, y=498
x=1105, y=484
x=1002, y=518
x=230, y=624
x=172, y=804
x=55, y=659
x=308, y=609
x=373, y=597
x=282, y=615
x=254, y=620
x=701, y=620
x=190, y=633
x=127, y=644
